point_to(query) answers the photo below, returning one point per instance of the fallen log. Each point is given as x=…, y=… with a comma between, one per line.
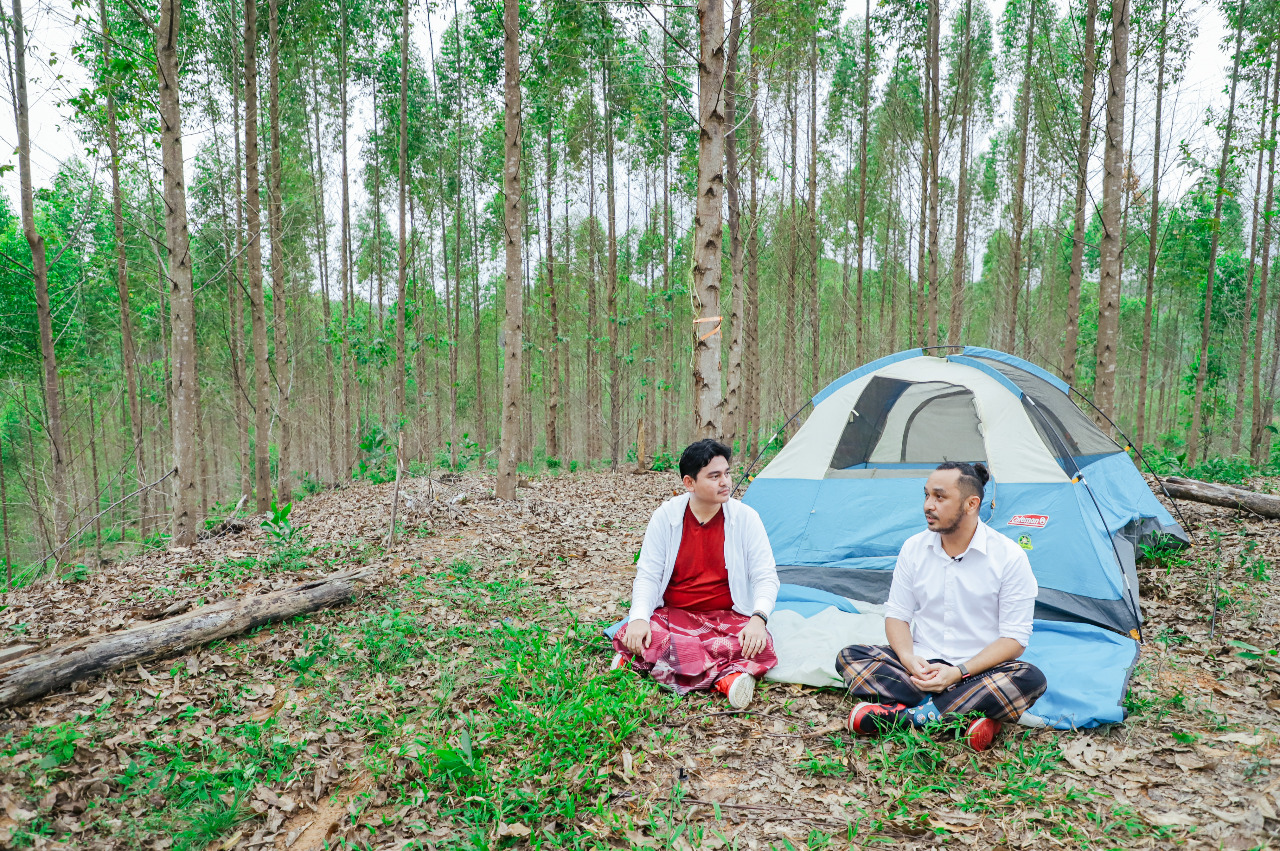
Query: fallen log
x=1226, y=496
x=36, y=674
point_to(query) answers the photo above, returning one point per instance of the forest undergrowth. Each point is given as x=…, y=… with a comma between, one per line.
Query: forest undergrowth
x=463, y=702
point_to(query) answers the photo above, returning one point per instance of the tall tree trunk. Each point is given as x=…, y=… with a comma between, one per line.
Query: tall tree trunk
x=734, y=427
x=275, y=215
x=1260, y=420
x=707, y=227
x=128, y=356
x=40, y=272
x=1112, y=190
x=402, y=246
x=595, y=406
x=860, y=325
x=1242, y=368
x=350, y=441
x=790, y=253
x=1020, y=183
x=186, y=513
x=751, y=295
x=934, y=131
x=553, y=345
x=811, y=217
x=257, y=304
x=1153, y=231
x=1083, y=145
x=956, y=325
x=322, y=245
x=1202, y=372
x=482, y=418
x=611, y=277
x=513, y=222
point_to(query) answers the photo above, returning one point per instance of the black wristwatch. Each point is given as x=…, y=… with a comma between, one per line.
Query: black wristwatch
x=964, y=672
x=761, y=615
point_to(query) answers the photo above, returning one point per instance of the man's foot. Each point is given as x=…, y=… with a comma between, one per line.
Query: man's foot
x=872, y=719
x=619, y=662
x=981, y=732
x=739, y=688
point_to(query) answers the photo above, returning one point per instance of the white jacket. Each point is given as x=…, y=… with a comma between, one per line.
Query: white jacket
x=753, y=576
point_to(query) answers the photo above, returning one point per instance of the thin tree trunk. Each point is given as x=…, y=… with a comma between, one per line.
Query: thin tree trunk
x=1020, y=183
x=1083, y=145
x=934, y=131
x=402, y=247
x=788, y=249
x=751, y=296
x=595, y=405
x=1260, y=421
x=611, y=277
x=4, y=523
x=513, y=223
x=322, y=244
x=40, y=272
x=1202, y=372
x=552, y=379
x=350, y=440
x=257, y=305
x=734, y=425
x=186, y=514
x=811, y=223
x=275, y=215
x=860, y=325
x=1242, y=368
x=956, y=325
x=1153, y=233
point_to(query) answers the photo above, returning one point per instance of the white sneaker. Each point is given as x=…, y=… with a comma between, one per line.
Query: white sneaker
x=742, y=691
x=619, y=662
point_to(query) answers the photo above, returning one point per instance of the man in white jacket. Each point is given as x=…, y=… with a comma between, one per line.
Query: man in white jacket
x=705, y=586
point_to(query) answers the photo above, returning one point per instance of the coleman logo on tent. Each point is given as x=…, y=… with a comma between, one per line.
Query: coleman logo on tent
x=1035, y=521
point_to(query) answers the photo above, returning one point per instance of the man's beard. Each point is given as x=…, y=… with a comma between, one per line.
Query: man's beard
x=955, y=524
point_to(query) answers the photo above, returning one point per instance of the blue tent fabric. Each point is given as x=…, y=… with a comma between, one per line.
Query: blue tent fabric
x=1059, y=647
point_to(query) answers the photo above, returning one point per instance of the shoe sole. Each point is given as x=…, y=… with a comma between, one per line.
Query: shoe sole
x=742, y=691
x=982, y=733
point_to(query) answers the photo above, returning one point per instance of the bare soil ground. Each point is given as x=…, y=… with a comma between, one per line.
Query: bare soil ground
x=462, y=701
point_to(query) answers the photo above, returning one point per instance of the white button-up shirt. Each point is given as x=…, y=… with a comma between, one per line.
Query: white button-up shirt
x=956, y=607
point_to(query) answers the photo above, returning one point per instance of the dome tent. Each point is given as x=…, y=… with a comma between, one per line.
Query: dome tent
x=845, y=492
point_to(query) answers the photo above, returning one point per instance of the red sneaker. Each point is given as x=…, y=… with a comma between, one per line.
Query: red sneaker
x=739, y=688
x=872, y=719
x=619, y=662
x=981, y=733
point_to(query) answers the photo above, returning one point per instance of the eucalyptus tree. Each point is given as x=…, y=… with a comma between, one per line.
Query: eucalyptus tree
x=512, y=220
x=1261, y=419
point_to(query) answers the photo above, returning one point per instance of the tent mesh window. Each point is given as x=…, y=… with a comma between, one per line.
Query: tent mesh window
x=1063, y=427
x=899, y=427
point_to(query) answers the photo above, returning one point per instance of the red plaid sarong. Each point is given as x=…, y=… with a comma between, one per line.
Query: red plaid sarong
x=691, y=650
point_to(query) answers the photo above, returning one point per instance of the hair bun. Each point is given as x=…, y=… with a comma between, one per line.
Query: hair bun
x=983, y=474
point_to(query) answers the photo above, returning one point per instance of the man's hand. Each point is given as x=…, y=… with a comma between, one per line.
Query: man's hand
x=917, y=666
x=754, y=637
x=637, y=636
x=936, y=677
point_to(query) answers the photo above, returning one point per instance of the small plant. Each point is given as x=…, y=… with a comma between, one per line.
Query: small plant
x=79, y=573
x=663, y=462
x=60, y=748
x=377, y=456
x=553, y=464
x=278, y=526
x=309, y=484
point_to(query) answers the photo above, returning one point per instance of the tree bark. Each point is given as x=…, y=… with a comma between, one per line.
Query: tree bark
x=1202, y=372
x=734, y=425
x=707, y=228
x=1020, y=184
x=402, y=246
x=1263, y=505
x=275, y=215
x=934, y=130
x=31, y=676
x=1083, y=145
x=595, y=405
x=513, y=222
x=257, y=304
x=751, y=296
x=860, y=325
x=955, y=327
x=811, y=218
x=1153, y=232
x=322, y=245
x=552, y=379
x=350, y=441
x=611, y=274
x=1260, y=421
x=40, y=272
x=186, y=412
x=1112, y=190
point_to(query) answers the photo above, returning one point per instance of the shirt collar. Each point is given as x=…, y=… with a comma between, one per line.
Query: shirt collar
x=980, y=541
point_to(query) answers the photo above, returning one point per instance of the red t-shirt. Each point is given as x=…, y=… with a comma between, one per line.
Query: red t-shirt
x=700, y=580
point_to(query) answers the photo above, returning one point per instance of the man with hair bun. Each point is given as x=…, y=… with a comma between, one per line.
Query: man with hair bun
x=704, y=589
x=957, y=619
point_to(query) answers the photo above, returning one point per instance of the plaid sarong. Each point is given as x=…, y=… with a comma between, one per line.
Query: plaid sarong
x=1003, y=693
x=691, y=650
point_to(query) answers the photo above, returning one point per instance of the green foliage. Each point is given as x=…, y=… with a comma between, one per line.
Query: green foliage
x=278, y=526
